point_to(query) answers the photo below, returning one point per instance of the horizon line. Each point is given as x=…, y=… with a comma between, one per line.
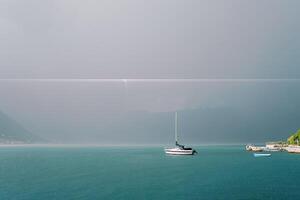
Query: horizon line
x=149, y=80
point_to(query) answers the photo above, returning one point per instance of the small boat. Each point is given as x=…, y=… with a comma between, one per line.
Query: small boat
x=262, y=154
x=179, y=149
x=274, y=146
x=271, y=150
x=250, y=147
x=293, y=149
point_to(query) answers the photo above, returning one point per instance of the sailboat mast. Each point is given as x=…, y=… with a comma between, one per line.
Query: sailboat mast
x=176, y=137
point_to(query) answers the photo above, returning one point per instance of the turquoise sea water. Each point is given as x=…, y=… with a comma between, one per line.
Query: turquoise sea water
x=217, y=172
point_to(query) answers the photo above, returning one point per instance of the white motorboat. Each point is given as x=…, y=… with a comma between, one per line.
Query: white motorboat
x=179, y=149
x=250, y=147
x=271, y=150
x=293, y=149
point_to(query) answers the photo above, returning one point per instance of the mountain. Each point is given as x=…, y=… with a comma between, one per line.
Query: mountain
x=11, y=132
x=195, y=126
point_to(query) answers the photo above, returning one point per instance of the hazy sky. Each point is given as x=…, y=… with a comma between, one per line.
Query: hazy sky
x=154, y=39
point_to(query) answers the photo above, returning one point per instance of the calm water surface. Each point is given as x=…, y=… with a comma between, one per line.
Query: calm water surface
x=217, y=172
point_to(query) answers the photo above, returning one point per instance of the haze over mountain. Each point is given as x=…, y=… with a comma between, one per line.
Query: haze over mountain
x=143, y=113
x=12, y=132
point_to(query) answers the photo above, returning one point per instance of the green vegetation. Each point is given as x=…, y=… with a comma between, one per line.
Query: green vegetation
x=294, y=139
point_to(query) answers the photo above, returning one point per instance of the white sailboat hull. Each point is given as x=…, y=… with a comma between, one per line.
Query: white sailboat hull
x=178, y=151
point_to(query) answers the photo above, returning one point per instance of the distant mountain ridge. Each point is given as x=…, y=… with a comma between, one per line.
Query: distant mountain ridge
x=12, y=132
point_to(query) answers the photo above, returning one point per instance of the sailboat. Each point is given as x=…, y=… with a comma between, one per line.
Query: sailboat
x=179, y=149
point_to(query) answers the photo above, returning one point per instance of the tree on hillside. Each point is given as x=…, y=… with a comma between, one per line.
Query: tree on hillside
x=294, y=139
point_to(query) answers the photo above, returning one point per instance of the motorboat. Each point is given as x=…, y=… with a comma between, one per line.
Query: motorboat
x=250, y=147
x=293, y=149
x=261, y=154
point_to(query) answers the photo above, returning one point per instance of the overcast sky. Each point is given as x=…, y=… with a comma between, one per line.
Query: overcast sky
x=154, y=39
